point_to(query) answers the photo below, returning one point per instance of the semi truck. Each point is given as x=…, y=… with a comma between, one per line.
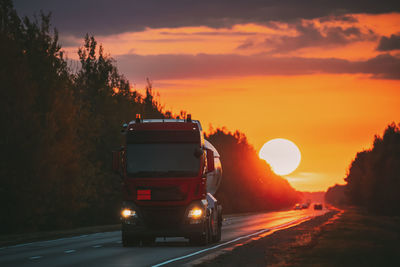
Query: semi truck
x=170, y=175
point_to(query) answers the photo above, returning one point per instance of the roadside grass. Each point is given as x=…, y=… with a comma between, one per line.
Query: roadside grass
x=355, y=239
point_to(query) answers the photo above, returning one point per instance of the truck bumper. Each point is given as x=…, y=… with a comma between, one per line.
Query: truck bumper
x=183, y=230
x=163, y=222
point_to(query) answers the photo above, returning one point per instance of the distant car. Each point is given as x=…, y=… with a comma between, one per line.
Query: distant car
x=297, y=207
x=318, y=206
x=305, y=205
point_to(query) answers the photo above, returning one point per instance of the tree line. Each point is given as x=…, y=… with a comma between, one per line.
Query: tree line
x=59, y=127
x=373, y=179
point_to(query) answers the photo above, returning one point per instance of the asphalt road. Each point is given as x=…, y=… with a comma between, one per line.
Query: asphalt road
x=105, y=249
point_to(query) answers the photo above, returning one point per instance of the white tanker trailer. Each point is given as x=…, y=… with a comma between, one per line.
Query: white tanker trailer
x=214, y=177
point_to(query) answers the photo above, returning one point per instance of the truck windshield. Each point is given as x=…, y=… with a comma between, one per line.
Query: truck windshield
x=162, y=160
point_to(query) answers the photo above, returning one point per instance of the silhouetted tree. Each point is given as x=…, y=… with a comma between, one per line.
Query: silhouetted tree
x=373, y=180
x=58, y=128
x=39, y=150
x=335, y=195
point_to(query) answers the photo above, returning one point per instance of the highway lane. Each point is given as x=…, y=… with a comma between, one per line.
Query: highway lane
x=105, y=249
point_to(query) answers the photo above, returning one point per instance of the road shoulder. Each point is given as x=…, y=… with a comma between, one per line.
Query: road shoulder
x=348, y=237
x=273, y=249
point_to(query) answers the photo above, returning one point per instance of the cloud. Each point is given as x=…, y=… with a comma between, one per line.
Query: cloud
x=66, y=40
x=382, y=67
x=246, y=44
x=211, y=33
x=172, y=40
x=103, y=17
x=170, y=67
x=342, y=18
x=309, y=35
x=389, y=43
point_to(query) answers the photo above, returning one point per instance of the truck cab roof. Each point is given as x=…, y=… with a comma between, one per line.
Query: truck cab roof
x=165, y=124
x=160, y=130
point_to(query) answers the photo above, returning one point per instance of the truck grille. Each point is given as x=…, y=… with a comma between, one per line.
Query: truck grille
x=163, y=217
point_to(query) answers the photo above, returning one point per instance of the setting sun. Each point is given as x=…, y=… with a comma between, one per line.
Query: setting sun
x=282, y=155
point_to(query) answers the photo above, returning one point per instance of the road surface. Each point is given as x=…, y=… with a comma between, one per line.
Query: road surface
x=105, y=249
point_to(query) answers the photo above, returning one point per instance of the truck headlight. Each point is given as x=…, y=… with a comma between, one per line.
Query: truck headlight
x=126, y=213
x=195, y=213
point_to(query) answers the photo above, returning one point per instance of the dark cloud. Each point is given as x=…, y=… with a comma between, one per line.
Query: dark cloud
x=389, y=43
x=68, y=41
x=219, y=33
x=104, y=17
x=383, y=66
x=172, y=40
x=342, y=18
x=246, y=44
x=311, y=36
x=167, y=67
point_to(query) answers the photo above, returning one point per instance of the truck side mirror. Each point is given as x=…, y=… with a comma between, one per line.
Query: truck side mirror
x=210, y=160
x=116, y=159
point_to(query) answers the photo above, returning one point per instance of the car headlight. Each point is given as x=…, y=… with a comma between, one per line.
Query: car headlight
x=195, y=213
x=127, y=213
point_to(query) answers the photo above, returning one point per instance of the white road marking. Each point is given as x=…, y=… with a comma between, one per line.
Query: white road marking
x=97, y=246
x=231, y=241
x=70, y=251
x=35, y=257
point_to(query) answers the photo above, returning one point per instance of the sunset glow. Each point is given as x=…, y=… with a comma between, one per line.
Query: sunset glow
x=327, y=81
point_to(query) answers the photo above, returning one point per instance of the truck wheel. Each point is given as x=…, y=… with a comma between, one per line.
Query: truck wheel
x=218, y=224
x=129, y=240
x=217, y=236
x=201, y=239
x=213, y=229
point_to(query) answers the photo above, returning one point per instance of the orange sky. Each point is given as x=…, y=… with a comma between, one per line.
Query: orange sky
x=330, y=114
x=329, y=117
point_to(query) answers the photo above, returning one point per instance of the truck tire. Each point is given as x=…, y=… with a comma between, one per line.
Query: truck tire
x=201, y=239
x=129, y=240
x=217, y=236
